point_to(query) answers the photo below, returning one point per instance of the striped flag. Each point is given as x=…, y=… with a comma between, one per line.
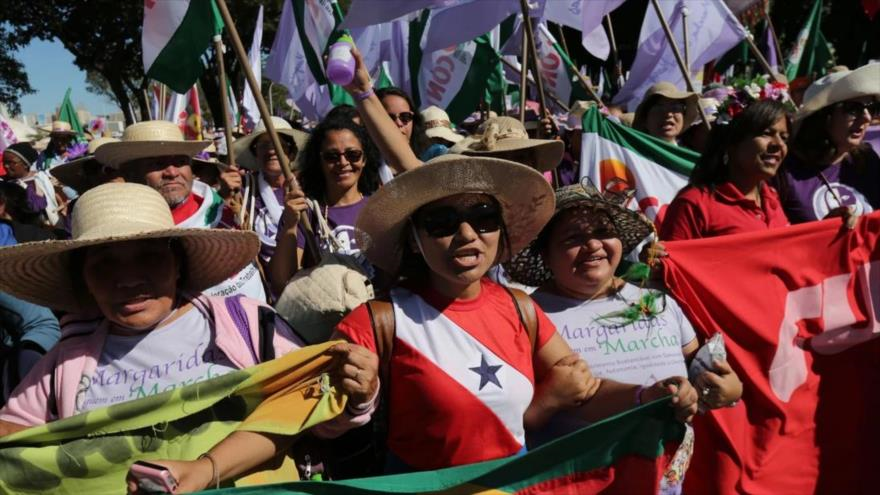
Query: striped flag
x=251, y=114
x=176, y=33
x=185, y=111
x=810, y=54
x=656, y=169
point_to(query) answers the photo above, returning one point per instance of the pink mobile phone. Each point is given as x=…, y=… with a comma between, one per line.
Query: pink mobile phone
x=153, y=478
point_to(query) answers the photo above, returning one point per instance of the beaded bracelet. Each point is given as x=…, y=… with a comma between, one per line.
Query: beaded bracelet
x=363, y=96
x=215, y=475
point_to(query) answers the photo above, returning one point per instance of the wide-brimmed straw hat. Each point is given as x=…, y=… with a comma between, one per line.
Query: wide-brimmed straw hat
x=244, y=157
x=837, y=87
x=72, y=173
x=437, y=125
x=504, y=134
x=526, y=200
x=148, y=139
x=668, y=90
x=40, y=272
x=528, y=267
x=60, y=127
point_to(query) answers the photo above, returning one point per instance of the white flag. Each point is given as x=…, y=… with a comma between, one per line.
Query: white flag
x=251, y=112
x=712, y=31
x=7, y=135
x=585, y=17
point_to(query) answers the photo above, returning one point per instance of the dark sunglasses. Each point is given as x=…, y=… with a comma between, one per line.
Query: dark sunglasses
x=856, y=108
x=672, y=107
x=444, y=221
x=404, y=117
x=352, y=156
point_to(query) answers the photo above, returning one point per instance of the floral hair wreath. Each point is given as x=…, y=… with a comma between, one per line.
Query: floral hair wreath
x=743, y=92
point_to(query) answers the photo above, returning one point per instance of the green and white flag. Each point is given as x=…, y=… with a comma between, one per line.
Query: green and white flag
x=810, y=53
x=176, y=33
x=657, y=170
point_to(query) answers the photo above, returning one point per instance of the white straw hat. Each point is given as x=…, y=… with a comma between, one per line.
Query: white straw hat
x=244, y=157
x=40, y=272
x=71, y=174
x=837, y=87
x=148, y=139
x=499, y=135
x=437, y=125
x=526, y=200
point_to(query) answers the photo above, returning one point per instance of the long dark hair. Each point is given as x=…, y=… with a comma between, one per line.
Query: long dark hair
x=312, y=175
x=711, y=168
x=418, y=141
x=813, y=146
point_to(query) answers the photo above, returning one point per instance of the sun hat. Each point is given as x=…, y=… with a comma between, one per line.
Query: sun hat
x=72, y=173
x=244, y=157
x=525, y=196
x=528, y=267
x=40, y=272
x=839, y=86
x=668, y=90
x=437, y=125
x=24, y=151
x=61, y=127
x=504, y=134
x=148, y=139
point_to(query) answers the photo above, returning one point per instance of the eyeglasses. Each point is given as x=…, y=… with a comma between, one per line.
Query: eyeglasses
x=444, y=221
x=671, y=107
x=352, y=156
x=856, y=109
x=403, y=117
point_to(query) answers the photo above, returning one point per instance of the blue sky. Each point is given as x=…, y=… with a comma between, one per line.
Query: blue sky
x=51, y=71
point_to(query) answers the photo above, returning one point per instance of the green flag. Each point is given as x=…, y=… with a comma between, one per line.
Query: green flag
x=811, y=54
x=67, y=113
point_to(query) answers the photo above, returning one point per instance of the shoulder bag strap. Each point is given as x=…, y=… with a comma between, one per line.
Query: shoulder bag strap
x=525, y=308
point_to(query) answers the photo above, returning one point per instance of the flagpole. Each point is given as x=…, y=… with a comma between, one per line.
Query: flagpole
x=523, y=78
x=562, y=38
x=147, y=101
x=161, y=101
x=224, y=98
x=681, y=65
x=584, y=82
x=760, y=57
x=687, y=47
x=618, y=69
x=271, y=100
x=536, y=73
x=550, y=93
x=773, y=33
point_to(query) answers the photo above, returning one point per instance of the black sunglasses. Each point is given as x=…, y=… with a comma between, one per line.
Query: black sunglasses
x=857, y=108
x=352, y=156
x=444, y=221
x=404, y=117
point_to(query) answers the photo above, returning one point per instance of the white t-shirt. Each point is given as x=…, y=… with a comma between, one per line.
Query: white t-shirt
x=135, y=366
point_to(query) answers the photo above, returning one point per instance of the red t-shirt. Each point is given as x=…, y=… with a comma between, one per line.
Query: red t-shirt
x=699, y=212
x=461, y=375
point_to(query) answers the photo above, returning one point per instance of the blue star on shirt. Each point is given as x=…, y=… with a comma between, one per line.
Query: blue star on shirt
x=487, y=373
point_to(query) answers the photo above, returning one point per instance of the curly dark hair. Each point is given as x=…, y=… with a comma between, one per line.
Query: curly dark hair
x=312, y=175
x=419, y=141
x=711, y=169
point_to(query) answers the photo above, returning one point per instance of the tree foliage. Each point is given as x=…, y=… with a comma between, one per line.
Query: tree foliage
x=13, y=79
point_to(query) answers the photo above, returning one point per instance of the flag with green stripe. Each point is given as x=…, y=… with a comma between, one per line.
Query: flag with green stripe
x=175, y=36
x=810, y=55
x=615, y=154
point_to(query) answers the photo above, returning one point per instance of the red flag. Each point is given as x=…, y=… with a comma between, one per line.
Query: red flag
x=799, y=308
x=871, y=8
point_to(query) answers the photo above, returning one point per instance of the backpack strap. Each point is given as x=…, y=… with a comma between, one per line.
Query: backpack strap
x=384, y=329
x=525, y=309
x=266, y=321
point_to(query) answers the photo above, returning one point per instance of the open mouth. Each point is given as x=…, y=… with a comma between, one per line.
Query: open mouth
x=467, y=258
x=772, y=160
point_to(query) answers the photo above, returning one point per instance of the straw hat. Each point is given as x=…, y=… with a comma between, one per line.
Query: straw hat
x=61, y=127
x=528, y=266
x=437, y=125
x=148, y=139
x=503, y=134
x=837, y=87
x=244, y=157
x=40, y=272
x=525, y=197
x=72, y=173
x=667, y=90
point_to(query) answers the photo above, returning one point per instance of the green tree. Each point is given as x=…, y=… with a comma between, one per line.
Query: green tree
x=13, y=79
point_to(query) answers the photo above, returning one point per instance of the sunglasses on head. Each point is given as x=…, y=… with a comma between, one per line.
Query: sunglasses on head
x=352, y=156
x=403, y=117
x=857, y=108
x=444, y=221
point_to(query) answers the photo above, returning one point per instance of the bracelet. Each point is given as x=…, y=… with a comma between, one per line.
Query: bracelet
x=363, y=96
x=639, y=395
x=215, y=475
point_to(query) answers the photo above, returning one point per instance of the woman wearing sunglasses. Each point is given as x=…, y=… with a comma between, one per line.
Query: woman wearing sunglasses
x=411, y=123
x=339, y=169
x=831, y=170
x=666, y=112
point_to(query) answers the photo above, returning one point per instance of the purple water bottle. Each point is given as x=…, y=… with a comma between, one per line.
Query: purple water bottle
x=341, y=64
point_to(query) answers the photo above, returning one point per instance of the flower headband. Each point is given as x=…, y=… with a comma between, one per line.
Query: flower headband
x=743, y=92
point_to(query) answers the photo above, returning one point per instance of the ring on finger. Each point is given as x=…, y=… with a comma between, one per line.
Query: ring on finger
x=705, y=391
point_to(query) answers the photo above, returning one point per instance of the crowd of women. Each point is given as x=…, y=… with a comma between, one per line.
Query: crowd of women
x=427, y=238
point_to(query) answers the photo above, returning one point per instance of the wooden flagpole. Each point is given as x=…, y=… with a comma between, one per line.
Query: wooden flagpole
x=550, y=94
x=224, y=98
x=760, y=57
x=618, y=68
x=533, y=51
x=687, y=45
x=523, y=78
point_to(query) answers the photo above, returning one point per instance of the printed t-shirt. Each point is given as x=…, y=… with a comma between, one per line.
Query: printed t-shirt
x=135, y=366
x=207, y=214
x=807, y=197
x=341, y=220
x=461, y=375
x=699, y=212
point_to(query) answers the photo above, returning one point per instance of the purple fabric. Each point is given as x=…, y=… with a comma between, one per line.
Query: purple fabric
x=341, y=220
x=806, y=197
x=267, y=251
x=239, y=317
x=34, y=200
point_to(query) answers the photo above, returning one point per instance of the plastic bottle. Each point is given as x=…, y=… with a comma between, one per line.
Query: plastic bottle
x=341, y=64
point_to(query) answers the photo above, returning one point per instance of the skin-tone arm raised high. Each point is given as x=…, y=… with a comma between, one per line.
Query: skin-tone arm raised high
x=391, y=143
